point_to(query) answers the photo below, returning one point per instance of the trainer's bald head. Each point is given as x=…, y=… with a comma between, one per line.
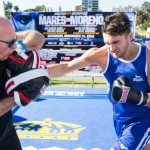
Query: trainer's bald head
x=6, y=27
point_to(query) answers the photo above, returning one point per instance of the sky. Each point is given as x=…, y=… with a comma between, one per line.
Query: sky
x=69, y=5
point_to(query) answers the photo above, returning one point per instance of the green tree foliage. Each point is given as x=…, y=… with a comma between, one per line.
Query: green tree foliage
x=16, y=8
x=37, y=8
x=146, y=7
x=8, y=8
x=40, y=8
x=146, y=11
x=129, y=8
x=30, y=10
x=143, y=14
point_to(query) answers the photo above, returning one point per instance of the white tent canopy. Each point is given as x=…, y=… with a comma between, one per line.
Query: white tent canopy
x=2, y=12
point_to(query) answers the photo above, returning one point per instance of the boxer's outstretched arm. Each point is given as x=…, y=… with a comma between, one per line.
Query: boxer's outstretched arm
x=58, y=70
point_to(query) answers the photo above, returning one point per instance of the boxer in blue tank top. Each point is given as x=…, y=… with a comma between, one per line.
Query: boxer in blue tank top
x=131, y=122
x=126, y=68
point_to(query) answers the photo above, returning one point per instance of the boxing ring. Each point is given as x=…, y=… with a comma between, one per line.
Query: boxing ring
x=66, y=119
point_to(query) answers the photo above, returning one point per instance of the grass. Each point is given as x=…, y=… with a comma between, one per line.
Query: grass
x=86, y=82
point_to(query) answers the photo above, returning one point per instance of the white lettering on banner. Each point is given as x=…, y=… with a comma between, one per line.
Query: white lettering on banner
x=73, y=20
x=85, y=29
x=52, y=20
x=47, y=56
x=80, y=13
x=86, y=20
x=54, y=35
x=64, y=93
x=90, y=36
x=60, y=13
x=71, y=35
x=54, y=29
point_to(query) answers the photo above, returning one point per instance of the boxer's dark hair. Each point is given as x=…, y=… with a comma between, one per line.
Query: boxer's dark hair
x=116, y=24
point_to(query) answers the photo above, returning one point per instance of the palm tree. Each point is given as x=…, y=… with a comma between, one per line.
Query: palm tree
x=8, y=8
x=16, y=8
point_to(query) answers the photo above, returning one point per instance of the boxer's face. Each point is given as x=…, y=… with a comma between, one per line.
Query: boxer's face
x=118, y=45
x=7, y=43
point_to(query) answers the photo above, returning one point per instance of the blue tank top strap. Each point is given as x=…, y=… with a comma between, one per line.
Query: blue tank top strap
x=141, y=57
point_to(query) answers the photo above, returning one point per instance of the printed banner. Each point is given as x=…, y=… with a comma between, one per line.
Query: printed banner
x=68, y=34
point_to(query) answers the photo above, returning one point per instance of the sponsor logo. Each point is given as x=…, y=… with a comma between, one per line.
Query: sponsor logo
x=48, y=129
x=43, y=89
x=138, y=79
x=64, y=93
x=65, y=58
x=125, y=91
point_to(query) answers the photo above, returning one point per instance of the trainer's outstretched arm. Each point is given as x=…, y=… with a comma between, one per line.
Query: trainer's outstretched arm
x=33, y=40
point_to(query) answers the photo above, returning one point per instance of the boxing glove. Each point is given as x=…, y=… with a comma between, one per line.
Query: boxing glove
x=28, y=86
x=19, y=61
x=123, y=91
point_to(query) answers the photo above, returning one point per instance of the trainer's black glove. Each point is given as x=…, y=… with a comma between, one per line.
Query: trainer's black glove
x=28, y=86
x=19, y=61
x=123, y=91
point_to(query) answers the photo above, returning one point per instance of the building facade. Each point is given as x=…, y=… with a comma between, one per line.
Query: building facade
x=90, y=5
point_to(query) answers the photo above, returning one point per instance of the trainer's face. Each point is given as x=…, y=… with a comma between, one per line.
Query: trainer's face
x=7, y=42
x=118, y=45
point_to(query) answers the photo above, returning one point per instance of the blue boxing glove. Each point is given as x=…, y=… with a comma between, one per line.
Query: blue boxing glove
x=28, y=86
